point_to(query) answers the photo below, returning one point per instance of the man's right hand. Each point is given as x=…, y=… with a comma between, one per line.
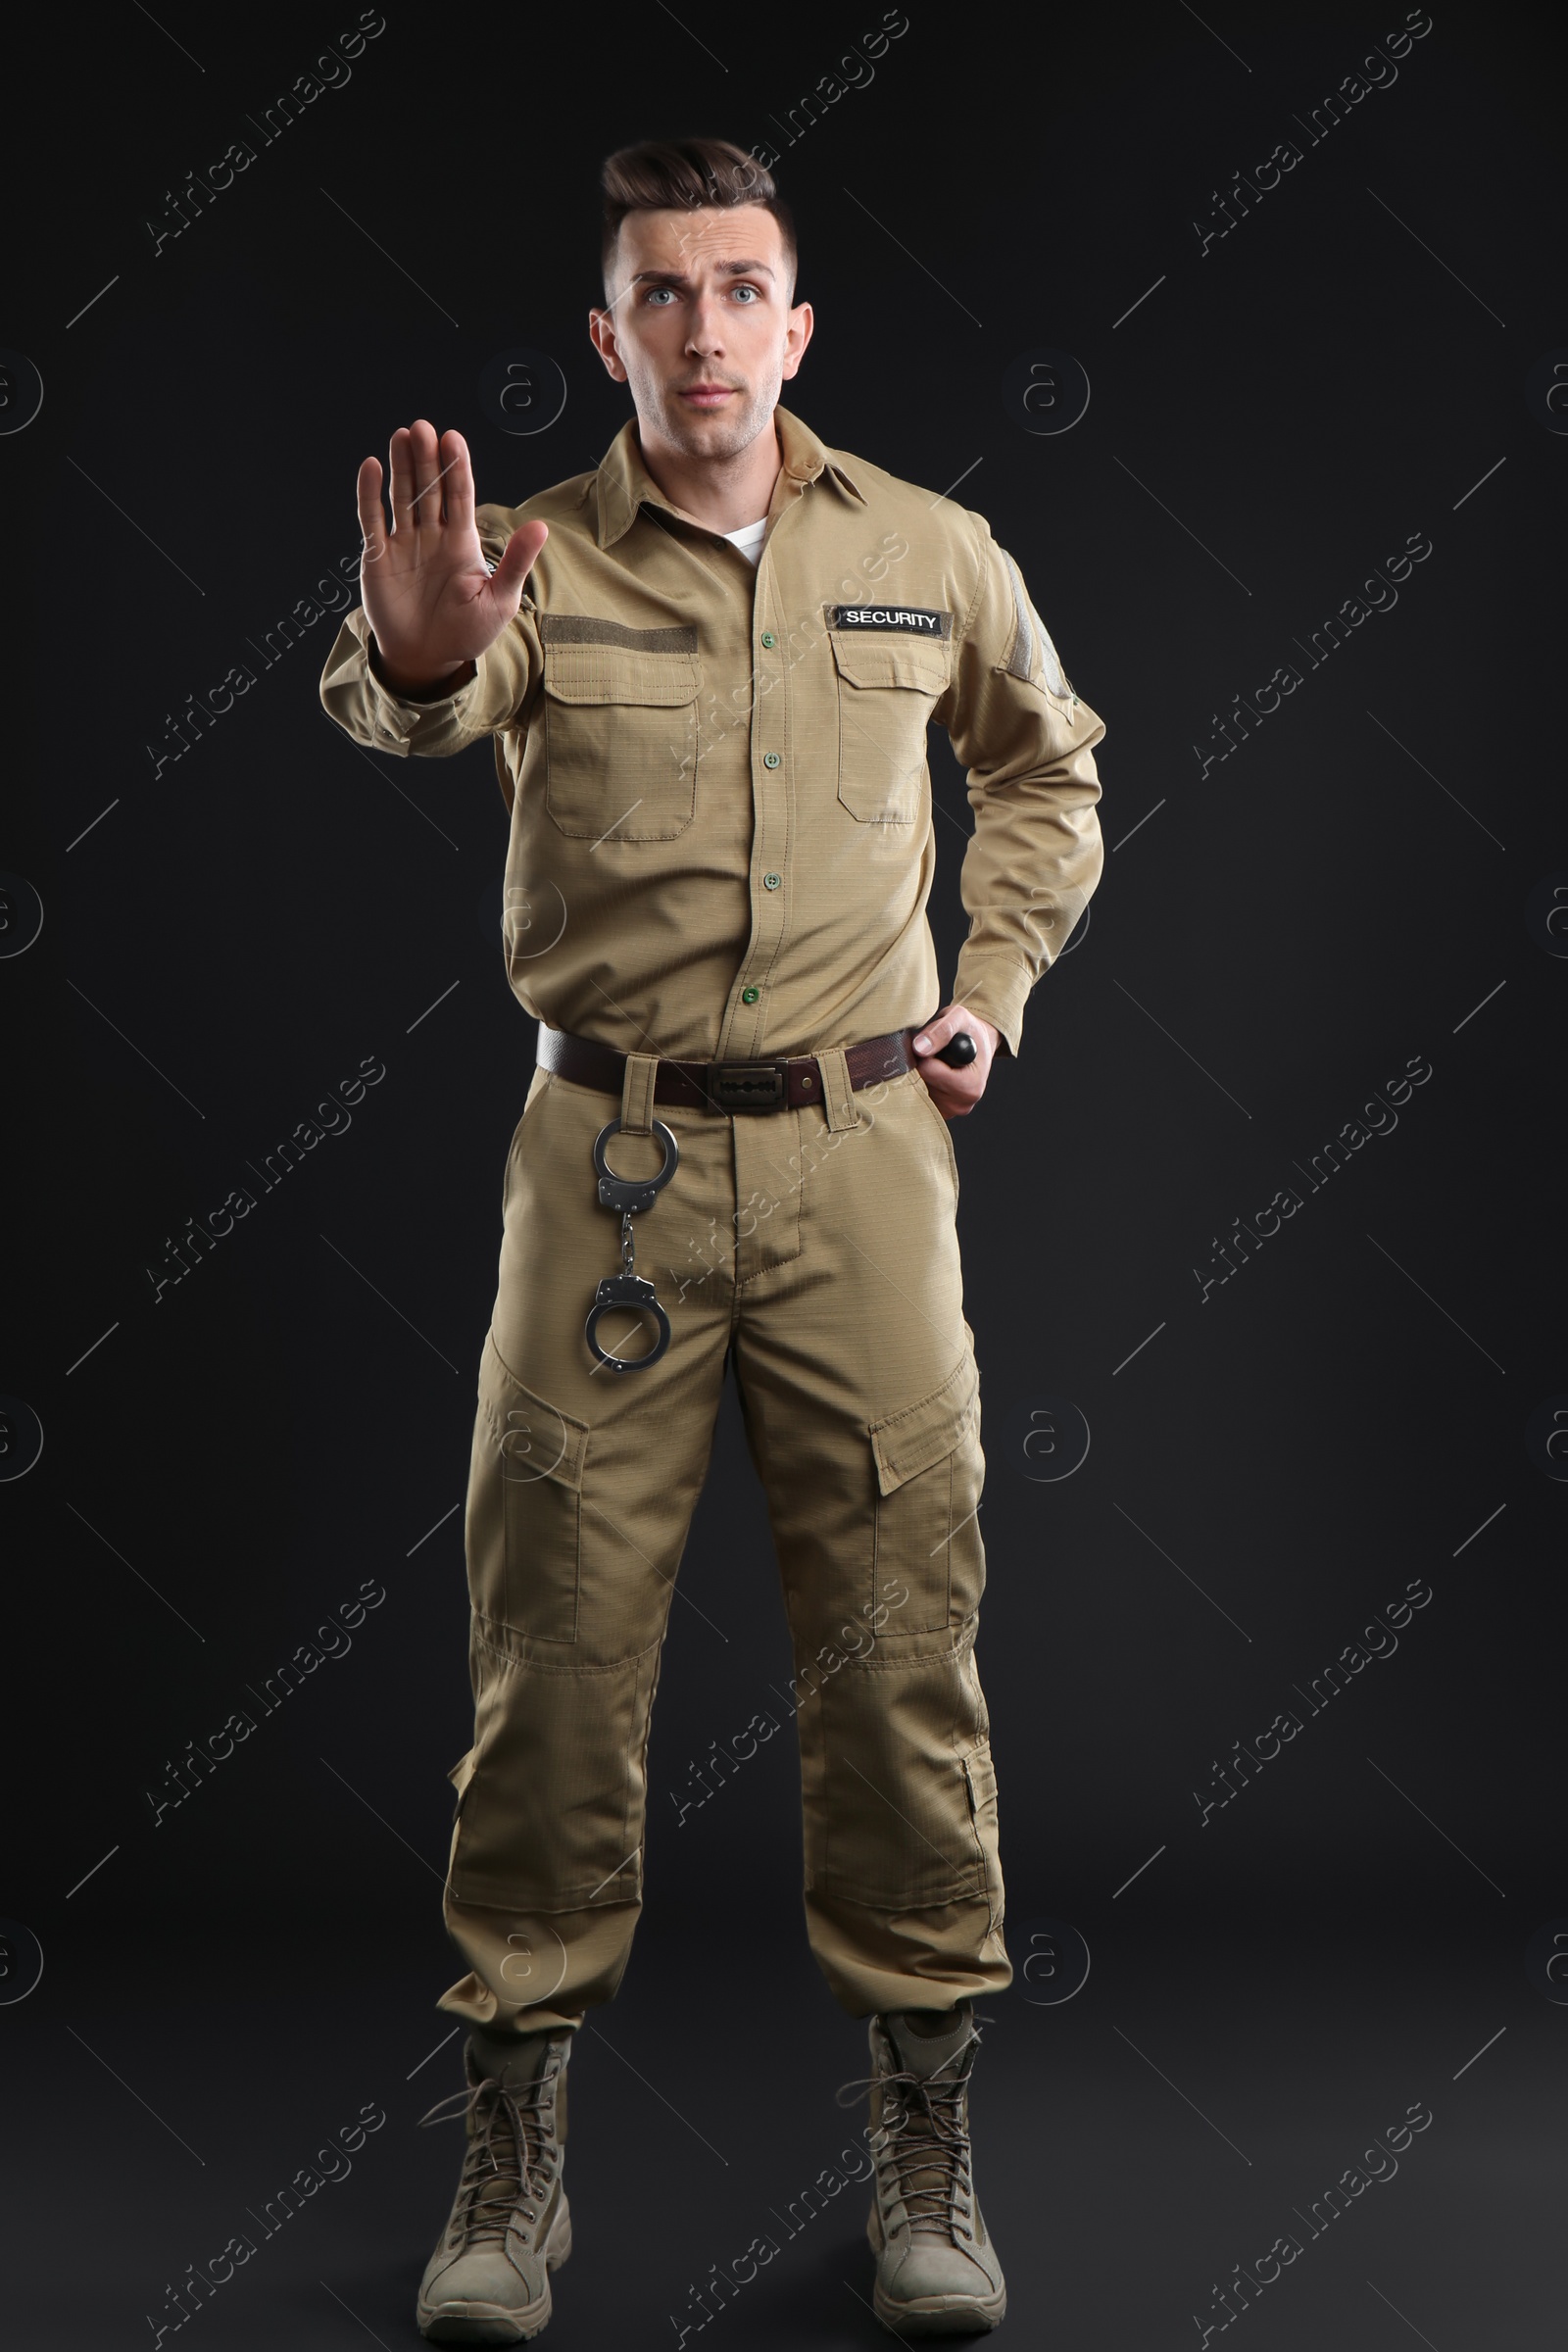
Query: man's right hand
x=427, y=594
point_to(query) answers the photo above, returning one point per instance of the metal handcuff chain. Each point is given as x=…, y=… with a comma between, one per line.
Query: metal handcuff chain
x=628, y=1196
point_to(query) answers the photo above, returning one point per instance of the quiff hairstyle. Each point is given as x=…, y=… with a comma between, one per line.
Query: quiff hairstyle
x=671, y=174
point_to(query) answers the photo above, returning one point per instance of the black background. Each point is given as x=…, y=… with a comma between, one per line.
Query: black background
x=225, y=1989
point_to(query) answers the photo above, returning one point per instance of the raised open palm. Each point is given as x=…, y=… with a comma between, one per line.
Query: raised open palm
x=433, y=605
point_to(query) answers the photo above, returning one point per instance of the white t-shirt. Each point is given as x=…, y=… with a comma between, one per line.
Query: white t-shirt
x=748, y=540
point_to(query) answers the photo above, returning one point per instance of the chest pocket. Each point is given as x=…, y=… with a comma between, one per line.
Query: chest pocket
x=888, y=686
x=620, y=728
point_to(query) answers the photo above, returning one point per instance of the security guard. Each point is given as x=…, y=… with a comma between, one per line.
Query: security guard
x=707, y=668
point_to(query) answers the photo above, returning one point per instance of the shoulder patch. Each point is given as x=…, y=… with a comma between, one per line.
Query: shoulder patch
x=1054, y=678
x=1030, y=634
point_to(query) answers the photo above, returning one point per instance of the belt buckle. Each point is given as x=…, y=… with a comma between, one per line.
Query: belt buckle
x=741, y=1086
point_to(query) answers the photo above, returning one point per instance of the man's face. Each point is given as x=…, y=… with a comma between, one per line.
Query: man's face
x=700, y=324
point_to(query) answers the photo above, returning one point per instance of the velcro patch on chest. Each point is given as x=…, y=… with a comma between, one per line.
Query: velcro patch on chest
x=904, y=620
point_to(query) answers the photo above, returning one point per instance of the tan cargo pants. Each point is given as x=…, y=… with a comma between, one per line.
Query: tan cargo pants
x=818, y=1246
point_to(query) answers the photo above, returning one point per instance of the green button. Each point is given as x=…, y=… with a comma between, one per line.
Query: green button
x=769, y=639
x=770, y=758
x=770, y=881
x=749, y=996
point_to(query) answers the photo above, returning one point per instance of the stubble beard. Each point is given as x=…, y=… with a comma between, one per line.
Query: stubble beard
x=716, y=437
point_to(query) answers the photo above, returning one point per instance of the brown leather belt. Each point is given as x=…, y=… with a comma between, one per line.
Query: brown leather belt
x=782, y=1083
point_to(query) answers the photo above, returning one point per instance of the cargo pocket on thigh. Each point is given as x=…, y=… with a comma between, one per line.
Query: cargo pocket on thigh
x=928, y=1562
x=524, y=1510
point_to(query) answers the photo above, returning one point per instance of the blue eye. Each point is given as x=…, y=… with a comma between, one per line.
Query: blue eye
x=751, y=290
x=653, y=293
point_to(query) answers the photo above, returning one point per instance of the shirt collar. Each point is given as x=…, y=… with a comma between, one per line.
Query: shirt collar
x=624, y=481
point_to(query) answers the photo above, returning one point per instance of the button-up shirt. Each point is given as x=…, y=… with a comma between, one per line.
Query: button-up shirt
x=722, y=834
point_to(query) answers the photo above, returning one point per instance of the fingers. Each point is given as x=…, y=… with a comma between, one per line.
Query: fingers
x=979, y=1029
x=425, y=451
x=954, y=1093
x=431, y=490
x=400, y=460
x=431, y=478
x=416, y=471
x=458, y=483
x=518, y=556
x=940, y=1031
x=373, y=522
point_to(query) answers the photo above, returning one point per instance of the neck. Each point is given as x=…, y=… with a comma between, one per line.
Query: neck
x=722, y=494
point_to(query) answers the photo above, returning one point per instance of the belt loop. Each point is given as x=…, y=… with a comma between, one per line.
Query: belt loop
x=637, y=1093
x=838, y=1093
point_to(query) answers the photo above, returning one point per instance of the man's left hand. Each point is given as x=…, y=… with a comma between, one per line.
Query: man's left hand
x=955, y=1092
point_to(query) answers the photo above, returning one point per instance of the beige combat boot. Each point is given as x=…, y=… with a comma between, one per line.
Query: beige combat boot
x=488, y=2280
x=937, y=2271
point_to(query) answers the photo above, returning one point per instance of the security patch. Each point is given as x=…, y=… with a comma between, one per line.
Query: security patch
x=904, y=620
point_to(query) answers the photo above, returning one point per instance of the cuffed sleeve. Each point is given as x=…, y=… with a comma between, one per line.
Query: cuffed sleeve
x=1027, y=742
x=996, y=988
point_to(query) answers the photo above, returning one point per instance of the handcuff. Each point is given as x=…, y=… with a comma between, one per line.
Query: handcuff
x=628, y=1195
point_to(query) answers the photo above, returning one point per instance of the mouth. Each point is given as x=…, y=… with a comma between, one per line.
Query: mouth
x=708, y=396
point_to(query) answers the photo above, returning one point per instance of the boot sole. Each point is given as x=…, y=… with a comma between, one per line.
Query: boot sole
x=470, y=2322
x=942, y=2315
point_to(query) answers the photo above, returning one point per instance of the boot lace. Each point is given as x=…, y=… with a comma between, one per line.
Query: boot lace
x=924, y=2159
x=511, y=2157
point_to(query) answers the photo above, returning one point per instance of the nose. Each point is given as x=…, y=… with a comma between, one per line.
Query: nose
x=705, y=334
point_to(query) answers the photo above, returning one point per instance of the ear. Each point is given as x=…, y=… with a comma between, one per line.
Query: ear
x=796, y=337
x=601, y=334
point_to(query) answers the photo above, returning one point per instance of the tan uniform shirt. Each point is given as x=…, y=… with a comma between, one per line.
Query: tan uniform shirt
x=722, y=831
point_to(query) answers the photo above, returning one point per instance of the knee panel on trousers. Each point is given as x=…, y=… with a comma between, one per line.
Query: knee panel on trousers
x=552, y=1812
x=899, y=1786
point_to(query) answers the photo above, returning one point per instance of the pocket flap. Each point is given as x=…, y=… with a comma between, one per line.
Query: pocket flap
x=535, y=1438
x=871, y=660
x=461, y=1772
x=911, y=1440
x=980, y=1772
x=619, y=673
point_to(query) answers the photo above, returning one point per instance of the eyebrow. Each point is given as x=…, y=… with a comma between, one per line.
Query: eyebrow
x=676, y=278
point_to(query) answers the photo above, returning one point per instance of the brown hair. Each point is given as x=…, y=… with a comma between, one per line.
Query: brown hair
x=666, y=174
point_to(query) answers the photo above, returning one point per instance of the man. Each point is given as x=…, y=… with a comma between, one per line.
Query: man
x=707, y=668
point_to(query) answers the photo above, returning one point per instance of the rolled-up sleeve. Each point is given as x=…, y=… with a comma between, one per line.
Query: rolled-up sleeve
x=506, y=675
x=1027, y=742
